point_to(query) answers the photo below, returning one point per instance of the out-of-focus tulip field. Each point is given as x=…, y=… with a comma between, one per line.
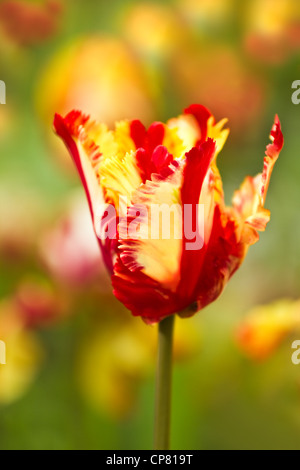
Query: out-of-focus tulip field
x=80, y=369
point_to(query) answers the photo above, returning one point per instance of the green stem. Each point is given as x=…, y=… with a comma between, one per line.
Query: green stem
x=163, y=384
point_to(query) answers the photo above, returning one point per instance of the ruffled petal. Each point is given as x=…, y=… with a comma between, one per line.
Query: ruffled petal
x=119, y=177
x=157, y=277
x=197, y=167
x=96, y=151
x=208, y=128
x=76, y=130
x=248, y=201
x=151, y=155
x=142, y=295
x=231, y=231
x=234, y=230
x=224, y=254
x=150, y=237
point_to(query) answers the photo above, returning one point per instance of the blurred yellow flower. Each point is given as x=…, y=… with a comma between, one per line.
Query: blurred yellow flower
x=206, y=12
x=272, y=29
x=153, y=29
x=271, y=17
x=98, y=74
x=7, y=117
x=111, y=362
x=23, y=354
x=265, y=327
x=117, y=356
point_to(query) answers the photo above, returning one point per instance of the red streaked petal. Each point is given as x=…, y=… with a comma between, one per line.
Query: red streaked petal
x=202, y=114
x=272, y=153
x=248, y=201
x=133, y=283
x=108, y=243
x=150, y=237
x=142, y=295
x=155, y=135
x=230, y=235
x=138, y=133
x=146, y=142
x=198, y=161
x=161, y=158
x=158, y=163
x=223, y=256
x=147, y=139
x=84, y=153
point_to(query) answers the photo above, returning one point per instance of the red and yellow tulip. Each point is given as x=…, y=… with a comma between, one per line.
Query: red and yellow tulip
x=174, y=165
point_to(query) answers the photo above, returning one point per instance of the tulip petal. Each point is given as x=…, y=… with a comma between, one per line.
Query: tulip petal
x=216, y=132
x=150, y=237
x=198, y=161
x=234, y=230
x=151, y=155
x=97, y=150
x=156, y=278
x=248, y=201
x=75, y=131
x=208, y=126
x=181, y=135
x=272, y=153
x=119, y=177
x=202, y=116
x=142, y=295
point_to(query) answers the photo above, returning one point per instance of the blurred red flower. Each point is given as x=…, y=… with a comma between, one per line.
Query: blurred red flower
x=272, y=30
x=69, y=250
x=26, y=23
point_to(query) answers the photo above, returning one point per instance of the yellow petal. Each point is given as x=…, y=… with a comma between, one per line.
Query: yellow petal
x=181, y=134
x=217, y=133
x=120, y=177
x=157, y=247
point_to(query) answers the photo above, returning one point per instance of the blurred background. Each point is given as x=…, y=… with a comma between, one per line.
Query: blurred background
x=80, y=369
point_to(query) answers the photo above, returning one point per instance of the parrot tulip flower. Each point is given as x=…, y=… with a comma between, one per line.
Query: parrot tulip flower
x=175, y=165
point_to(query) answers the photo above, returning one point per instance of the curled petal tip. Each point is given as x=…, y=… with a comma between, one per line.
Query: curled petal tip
x=276, y=137
x=202, y=115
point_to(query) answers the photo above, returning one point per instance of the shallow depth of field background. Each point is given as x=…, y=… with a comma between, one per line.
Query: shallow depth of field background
x=80, y=369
